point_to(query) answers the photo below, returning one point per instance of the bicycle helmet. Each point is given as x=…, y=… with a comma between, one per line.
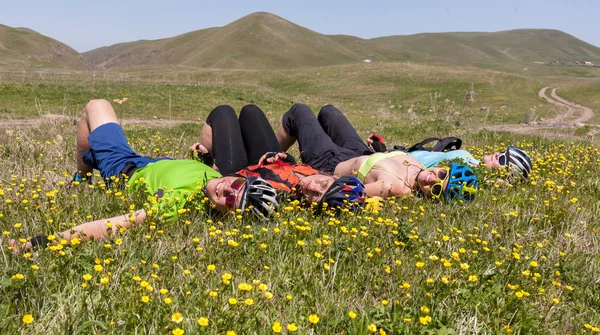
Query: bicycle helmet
x=348, y=188
x=261, y=195
x=462, y=183
x=516, y=159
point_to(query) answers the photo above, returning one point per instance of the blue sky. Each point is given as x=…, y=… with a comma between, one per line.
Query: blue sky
x=85, y=25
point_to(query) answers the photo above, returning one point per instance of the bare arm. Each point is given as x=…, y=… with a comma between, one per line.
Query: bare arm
x=96, y=230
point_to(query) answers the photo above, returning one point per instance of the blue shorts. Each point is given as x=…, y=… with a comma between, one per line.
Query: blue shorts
x=110, y=151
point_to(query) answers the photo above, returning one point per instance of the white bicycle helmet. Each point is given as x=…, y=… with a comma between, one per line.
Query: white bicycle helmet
x=261, y=195
x=516, y=159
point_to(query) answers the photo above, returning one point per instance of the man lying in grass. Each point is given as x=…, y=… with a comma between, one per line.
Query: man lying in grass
x=173, y=183
x=514, y=159
x=247, y=146
x=331, y=144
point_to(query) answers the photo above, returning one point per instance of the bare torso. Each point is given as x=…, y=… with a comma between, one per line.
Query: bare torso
x=393, y=176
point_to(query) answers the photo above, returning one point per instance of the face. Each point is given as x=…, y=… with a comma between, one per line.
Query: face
x=225, y=192
x=427, y=179
x=491, y=161
x=314, y=187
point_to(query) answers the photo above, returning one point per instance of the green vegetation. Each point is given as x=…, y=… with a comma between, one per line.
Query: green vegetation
x=520, y=259
x=266, y=41
x=387, y=90
x=22, y=47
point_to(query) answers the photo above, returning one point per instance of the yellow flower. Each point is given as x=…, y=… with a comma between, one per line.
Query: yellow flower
x=163, y=291
x=313, y=318
x=230, y=332
x=420, y=265
x=145, y=298
x=249, y=302
x=177, y=317
x=87, y=277
x=276, y=327
x=534, y=264
x=211, y=267
x=473, y=278
x=98, y=267
x=27, y=318
x=245, y=287
x=104, y=280
x=168, y=300
x=372, y=328
x=291, y=327
x=268, y=295
x=178, y=331
x=424, y=320
x=203, y=322
x=351, y=314
x=232, y=301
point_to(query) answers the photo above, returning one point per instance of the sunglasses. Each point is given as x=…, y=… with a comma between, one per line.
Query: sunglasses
x=437, y=188
x=236, y=186
x=503, y=158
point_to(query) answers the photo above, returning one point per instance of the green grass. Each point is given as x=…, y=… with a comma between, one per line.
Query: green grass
x=459, y=265
x=387, y=267
x=366, y=90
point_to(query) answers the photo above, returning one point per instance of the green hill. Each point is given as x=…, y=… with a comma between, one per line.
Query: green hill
x=513, y=45
x=266, y=41
x=24, y=47
x=257, y=41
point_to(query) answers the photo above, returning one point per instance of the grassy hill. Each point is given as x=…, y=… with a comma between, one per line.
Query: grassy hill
x=27, y=48
x=257, y=41
x=266, y=41
x=511, y=45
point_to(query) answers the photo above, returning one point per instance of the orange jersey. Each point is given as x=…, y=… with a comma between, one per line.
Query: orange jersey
x=280, y=175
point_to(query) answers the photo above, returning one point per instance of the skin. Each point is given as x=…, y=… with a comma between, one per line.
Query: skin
x=218, y=189
x=491, y=161
x=314, y=187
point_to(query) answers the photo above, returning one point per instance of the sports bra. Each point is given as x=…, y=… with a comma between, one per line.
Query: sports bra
x=370, y=162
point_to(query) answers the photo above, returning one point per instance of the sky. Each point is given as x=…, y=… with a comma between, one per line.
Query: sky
x=85, y=25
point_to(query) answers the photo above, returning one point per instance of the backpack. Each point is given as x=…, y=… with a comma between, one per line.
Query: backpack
x=280, y=175
x=445, y=144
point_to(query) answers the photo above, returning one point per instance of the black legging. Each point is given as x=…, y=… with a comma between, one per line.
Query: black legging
x=326, y=142
x=341, y=132
x=236, y=144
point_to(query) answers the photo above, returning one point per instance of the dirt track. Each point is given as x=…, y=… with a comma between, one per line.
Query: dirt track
x=48, y=118
x=574, y=116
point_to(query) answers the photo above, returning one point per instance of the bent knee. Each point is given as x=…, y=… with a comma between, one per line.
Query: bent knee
x=250, y=110
x=223, y=112
x=328, y=111
x=300, y=109
x=95, y=105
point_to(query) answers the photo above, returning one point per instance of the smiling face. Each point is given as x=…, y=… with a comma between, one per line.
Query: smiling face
x=312, y=188
x=225, y=192
x=427, y=180
x=491, y=161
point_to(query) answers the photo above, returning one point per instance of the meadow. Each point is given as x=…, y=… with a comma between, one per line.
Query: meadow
x=520, y=259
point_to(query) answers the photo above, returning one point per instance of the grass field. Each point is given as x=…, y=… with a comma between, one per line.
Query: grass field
x=520, y=259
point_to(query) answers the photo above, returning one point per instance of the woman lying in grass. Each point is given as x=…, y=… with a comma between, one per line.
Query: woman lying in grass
x=247, y=146
x=330, y=143
x=171, y=183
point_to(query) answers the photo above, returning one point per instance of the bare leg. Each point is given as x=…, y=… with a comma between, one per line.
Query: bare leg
x=206, y=137
x=96, y=230
x=285, y=140
x=94, y=114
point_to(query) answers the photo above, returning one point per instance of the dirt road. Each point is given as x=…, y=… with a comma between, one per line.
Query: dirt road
x=570, y=116
x=49, y=118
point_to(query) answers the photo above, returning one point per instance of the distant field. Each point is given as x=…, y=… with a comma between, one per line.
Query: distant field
x=382, y=90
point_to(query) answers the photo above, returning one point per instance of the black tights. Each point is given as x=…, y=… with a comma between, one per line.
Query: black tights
x=238, y=143
x=325, y=141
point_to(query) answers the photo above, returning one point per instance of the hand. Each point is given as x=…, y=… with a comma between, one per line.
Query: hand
x=271, y=157
x=198, y=147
